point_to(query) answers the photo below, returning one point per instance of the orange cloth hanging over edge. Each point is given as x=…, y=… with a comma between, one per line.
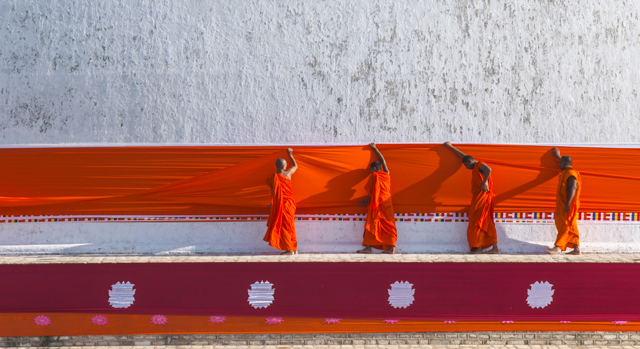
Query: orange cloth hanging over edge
x=211, y=180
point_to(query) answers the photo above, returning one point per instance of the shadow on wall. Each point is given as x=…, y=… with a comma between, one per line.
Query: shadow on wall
x=335, y=195
x=429, y=186
x=547, y=171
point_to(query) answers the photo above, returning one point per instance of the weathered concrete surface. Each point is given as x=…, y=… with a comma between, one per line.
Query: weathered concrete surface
x=313, y=237
x=337, y=71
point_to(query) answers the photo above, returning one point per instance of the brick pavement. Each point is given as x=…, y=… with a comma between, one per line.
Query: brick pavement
x=346, y=340
x=427, y=258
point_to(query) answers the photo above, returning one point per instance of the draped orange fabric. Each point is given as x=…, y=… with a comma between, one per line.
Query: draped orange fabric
x=281, y=231
x=481, y=231
x=79, y=324
x=380, y=226
x=567, y=222
x=174, y=180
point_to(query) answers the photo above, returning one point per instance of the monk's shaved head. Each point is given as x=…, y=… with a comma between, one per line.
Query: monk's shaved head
x=565, y=162
x=375, y=166
x=281, y=164
x=468, y=161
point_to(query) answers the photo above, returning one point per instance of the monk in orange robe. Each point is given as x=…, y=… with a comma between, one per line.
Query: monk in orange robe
x=567, y=206
x=481, y=232
x=380, y=227
x=281, y=231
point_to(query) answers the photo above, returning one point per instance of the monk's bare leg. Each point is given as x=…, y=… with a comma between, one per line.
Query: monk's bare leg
x=288, y=253
x=365, y=250
x=553, y=250
x=476, y=250
x=390, y=250
x=576, y=250
x=494, y=249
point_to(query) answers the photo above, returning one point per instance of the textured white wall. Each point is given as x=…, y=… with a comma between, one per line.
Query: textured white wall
x=335, y=71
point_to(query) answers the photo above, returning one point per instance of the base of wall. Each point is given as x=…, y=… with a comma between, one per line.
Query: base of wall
x=313, y=237
x=424, y=338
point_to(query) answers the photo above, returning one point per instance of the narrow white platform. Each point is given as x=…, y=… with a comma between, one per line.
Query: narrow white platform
x=313, y=237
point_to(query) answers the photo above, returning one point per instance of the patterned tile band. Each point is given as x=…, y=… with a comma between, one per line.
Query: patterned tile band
x=515, y=217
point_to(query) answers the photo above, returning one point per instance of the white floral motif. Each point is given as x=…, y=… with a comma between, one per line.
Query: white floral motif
x=261, y=294
x=540, y=294
x=401, y=294
x=121, y=295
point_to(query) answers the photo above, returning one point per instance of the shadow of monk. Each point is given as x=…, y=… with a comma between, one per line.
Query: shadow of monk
x=423, y=193
x=547, y=170
x=339, y=193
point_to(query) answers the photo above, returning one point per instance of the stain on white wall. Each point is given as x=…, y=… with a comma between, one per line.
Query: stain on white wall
x=335, y=71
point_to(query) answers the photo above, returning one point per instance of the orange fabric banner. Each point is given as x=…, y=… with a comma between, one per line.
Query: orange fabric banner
x=83, y=324
x=331, y=179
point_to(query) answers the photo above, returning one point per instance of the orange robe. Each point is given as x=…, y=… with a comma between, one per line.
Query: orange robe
x=481, y=231
x=567, y=222
x=281, y=231
x=380, y=226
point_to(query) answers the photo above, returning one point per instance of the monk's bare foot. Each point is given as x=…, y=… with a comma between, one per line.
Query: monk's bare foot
x=553, y=250
x=391, y=250
x=575, y=252
x=476, y=250
x=365, y=250
x=493, y=250
x=287, y=253
x=295, y=252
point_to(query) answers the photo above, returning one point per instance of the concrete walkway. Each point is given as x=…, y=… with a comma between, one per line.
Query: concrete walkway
x=401, y=258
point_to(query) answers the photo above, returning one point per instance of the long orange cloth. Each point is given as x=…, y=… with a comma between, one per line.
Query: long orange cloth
x=380, y=226
x=481, y=231
x=567, y=222
x=79, y=324
x=209, y=180
x=281, y=231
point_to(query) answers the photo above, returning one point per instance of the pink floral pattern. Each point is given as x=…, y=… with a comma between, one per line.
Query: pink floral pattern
x=507, y=322
x=565, y=322
x=99, y=320
x=42, y=320
x=620, y=322
x=217, y=319
x=449, y=322
x=159, y=320
x=274, y=320
x=332, y=321
x=390, y=321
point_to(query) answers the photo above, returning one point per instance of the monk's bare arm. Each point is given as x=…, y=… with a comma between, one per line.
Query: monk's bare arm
x=486, y=172
x=380, y=157
x=556, y=153
x=571, y=192
x=365, y=201
x=294, y=164
x=458, y=152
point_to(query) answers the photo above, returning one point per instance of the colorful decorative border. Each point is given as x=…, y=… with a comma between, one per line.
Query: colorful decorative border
x=504, y=217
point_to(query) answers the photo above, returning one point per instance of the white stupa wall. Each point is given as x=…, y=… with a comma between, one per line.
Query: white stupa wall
x=336, y=72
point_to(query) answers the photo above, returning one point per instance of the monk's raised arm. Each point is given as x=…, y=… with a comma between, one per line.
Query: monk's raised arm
x=294, y=164
x=458, y=152
x=556, y=153
x=380, y=158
